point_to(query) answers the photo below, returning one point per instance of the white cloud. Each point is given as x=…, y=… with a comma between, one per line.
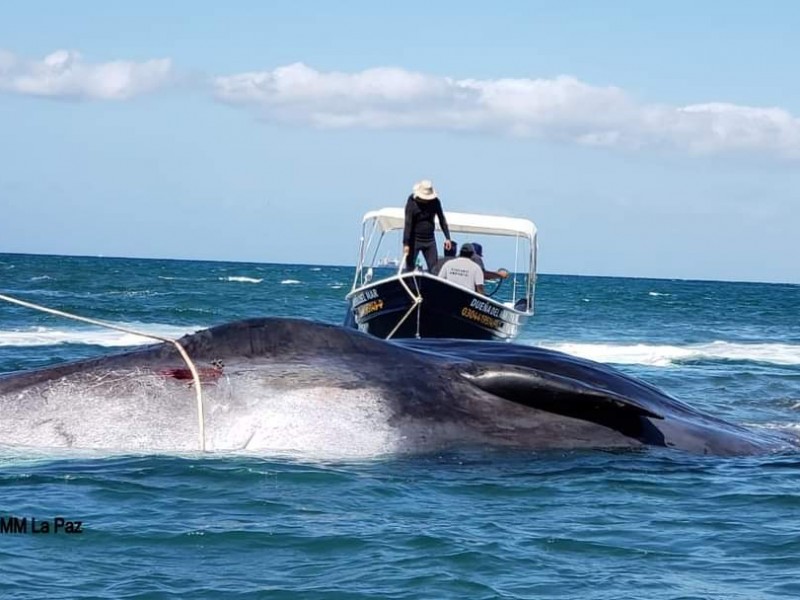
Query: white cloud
x=562, y=108
x=720, y=126
x=64, y=74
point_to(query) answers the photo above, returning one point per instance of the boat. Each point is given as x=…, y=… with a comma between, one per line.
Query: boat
x=394, y=303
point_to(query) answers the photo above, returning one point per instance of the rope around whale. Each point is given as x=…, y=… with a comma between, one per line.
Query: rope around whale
x=181, y=350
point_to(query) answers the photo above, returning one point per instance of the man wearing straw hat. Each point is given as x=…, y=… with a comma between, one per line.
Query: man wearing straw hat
x=422, y=207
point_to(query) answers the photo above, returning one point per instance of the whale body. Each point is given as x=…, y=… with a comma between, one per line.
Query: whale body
x=286, y=385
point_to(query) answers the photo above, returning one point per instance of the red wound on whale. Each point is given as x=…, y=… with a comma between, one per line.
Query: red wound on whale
x=206, y=374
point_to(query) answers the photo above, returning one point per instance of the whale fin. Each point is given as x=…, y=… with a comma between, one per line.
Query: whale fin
x=555, y=393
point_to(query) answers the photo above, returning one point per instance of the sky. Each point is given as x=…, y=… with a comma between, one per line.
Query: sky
x=644, y=139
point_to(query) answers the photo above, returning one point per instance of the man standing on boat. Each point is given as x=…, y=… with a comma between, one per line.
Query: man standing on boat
x=422, y=207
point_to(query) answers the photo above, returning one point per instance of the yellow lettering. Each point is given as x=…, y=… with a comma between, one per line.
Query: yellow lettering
x=369, y=308
x=481, y=318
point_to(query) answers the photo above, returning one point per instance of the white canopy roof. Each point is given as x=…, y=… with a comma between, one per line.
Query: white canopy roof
x=389, y=219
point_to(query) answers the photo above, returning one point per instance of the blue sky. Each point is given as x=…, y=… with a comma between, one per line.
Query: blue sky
x=644, y=139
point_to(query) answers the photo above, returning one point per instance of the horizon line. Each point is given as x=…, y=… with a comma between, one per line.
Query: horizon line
x=353, y=266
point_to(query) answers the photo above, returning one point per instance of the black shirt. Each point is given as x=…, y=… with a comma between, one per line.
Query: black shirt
x=419, y=225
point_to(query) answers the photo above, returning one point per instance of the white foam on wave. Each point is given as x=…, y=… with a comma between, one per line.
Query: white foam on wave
x=666, y=355
x=95, y=336
x=290, y=282
x=171, y=278
x=242, y=279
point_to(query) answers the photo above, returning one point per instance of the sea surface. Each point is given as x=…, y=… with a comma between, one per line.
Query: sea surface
x=652, y=524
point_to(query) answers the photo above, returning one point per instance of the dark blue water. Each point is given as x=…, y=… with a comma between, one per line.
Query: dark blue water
x=479, y=524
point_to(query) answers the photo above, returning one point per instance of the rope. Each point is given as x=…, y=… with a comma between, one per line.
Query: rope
x=184, y=355
x=417, y=302
x=416, y=298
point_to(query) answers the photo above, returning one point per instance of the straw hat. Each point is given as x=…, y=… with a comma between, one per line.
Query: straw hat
x=424, y=190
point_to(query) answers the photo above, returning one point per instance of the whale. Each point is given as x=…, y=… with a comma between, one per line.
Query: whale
x=279, y=385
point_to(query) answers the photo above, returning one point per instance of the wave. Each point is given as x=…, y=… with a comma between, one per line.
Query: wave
x=658, y=355
x=666, y=355
x=95, y=336
x=290, y=282
x=171, y=278
x=233, y=278
x=242, y=279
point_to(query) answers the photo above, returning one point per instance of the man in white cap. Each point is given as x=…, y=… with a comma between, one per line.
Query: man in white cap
x=422, y=207
x=464, y=271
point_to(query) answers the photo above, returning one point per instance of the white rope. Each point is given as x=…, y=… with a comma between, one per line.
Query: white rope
x=184, y=355
x=417, y=299
x=417, y=302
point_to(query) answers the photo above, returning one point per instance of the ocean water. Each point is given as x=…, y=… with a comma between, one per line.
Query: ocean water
x=479, y=524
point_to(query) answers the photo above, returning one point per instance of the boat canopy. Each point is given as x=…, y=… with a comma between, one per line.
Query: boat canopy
x=390, y=219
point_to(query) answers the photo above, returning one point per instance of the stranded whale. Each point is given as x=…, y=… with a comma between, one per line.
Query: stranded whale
x=294, y=385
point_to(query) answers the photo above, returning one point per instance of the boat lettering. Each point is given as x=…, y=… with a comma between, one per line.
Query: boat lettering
x=364, y=297
x=481, y=318
x=494, y=311
x=485, y=307
x=369, y=308
x=509, y=317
